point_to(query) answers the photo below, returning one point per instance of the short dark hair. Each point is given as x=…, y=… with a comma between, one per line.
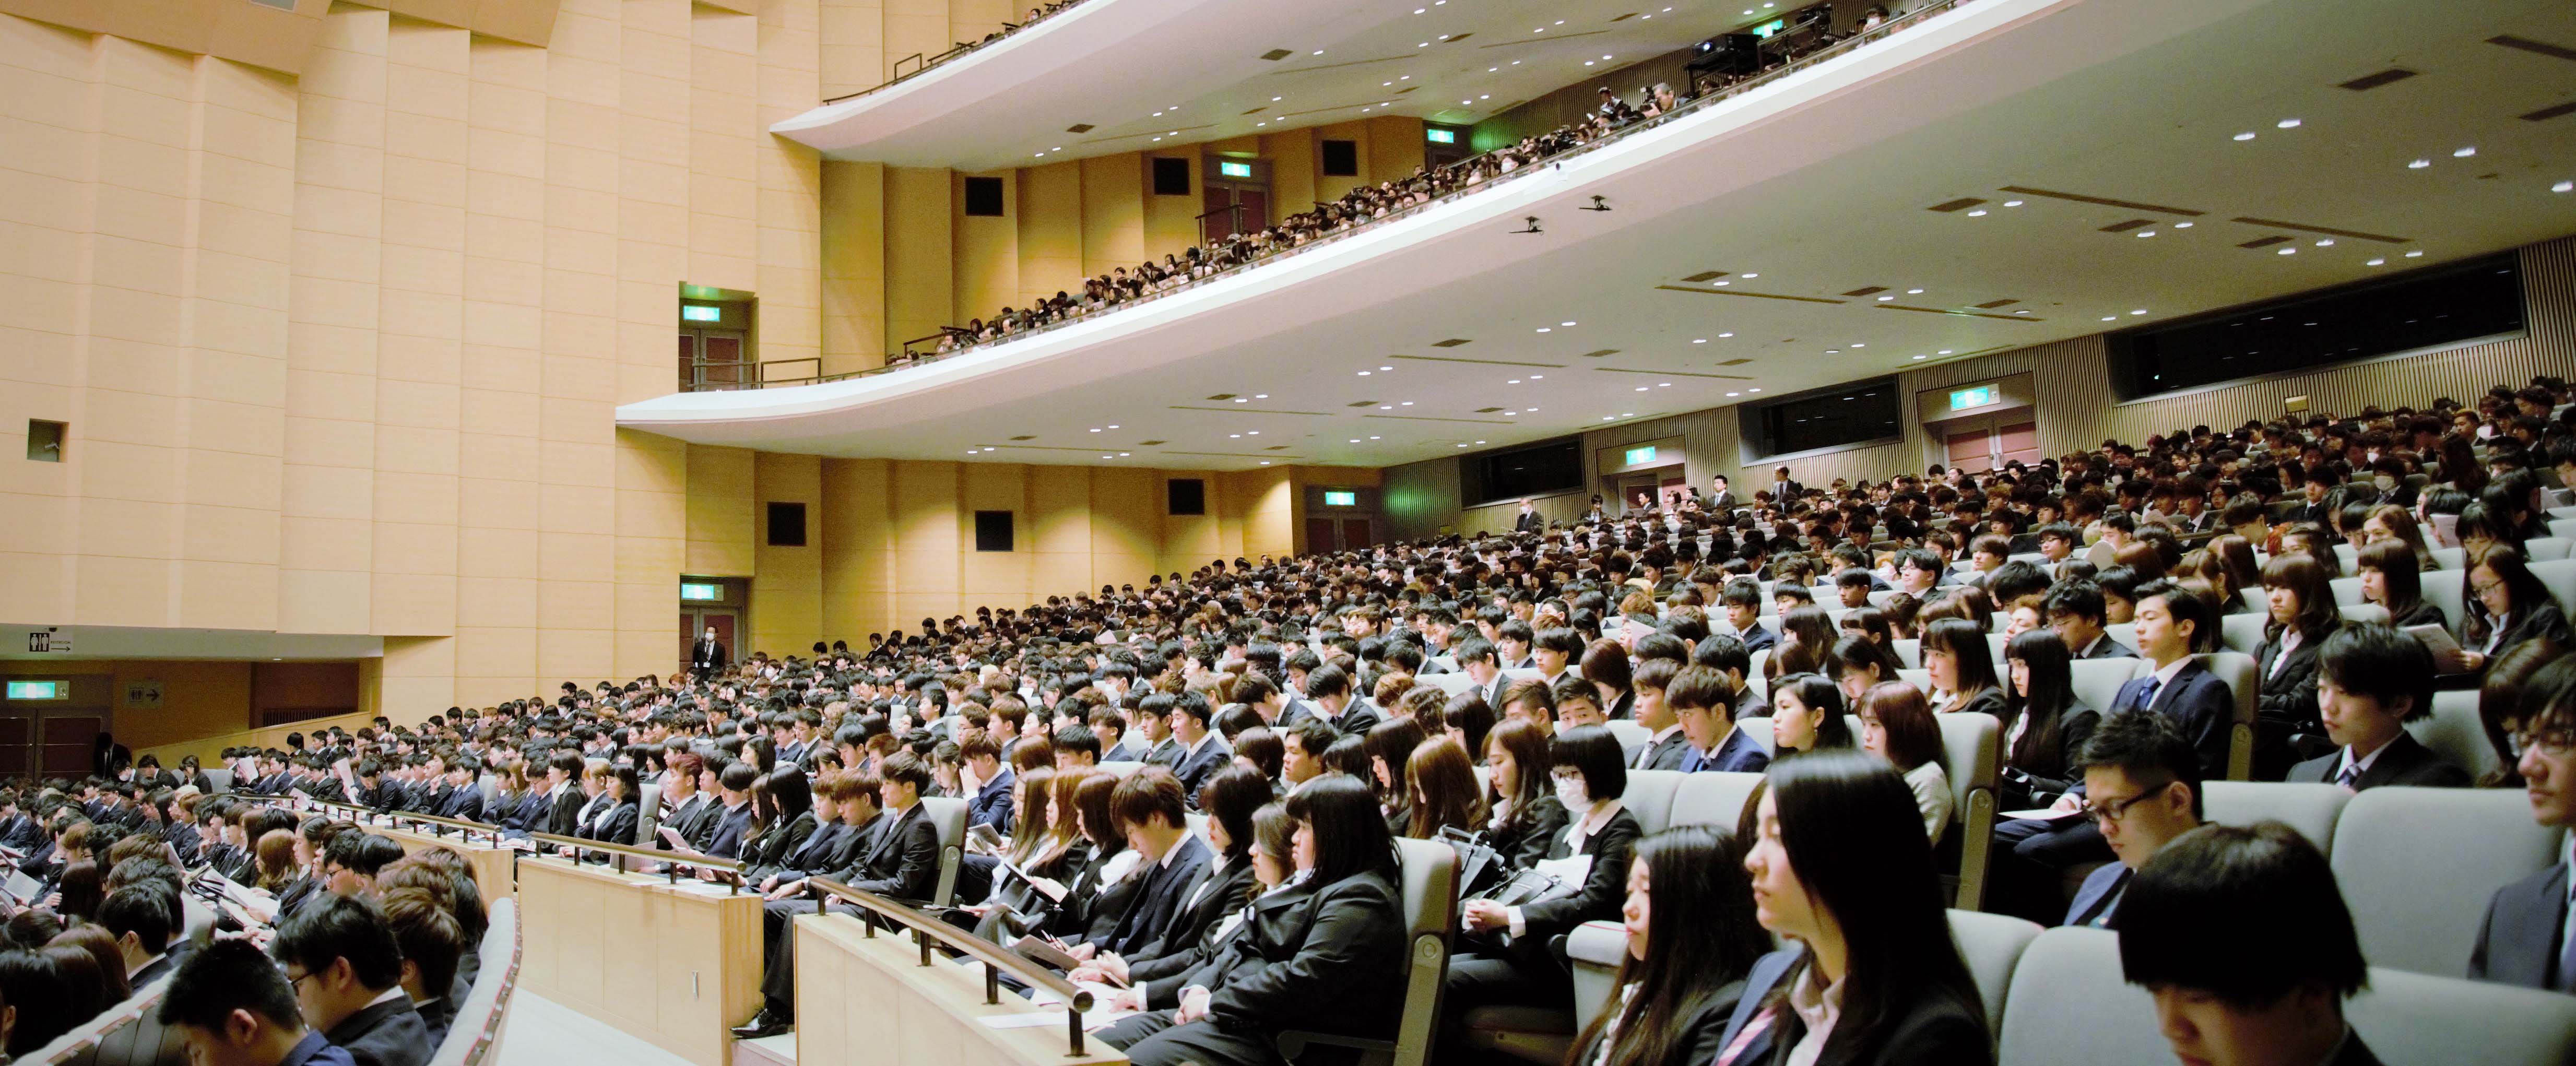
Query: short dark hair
x=2146, y=746
x=1699, y=686
x=1325, y=680
x=1595, y=753
x=142, y=909
x=1149, y=792
x=2184, y=605
x=2076, y=599
x=225, y=976
x=340, y=927
x=430, y=937
x=2249, y=914
x=2382, y=662
x=1075, y=736
x=361, y=853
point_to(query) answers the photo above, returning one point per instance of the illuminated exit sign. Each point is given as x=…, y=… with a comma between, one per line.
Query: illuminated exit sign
x=1441, y=136
x=1233, y=170
x=1641, y=456
x=1980, y=396
x=701, y=313
x=1341, y=499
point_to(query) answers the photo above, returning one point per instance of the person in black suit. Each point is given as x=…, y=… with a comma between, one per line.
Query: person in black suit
x=1744, y=612
x=1230, y=799
x=625, y=797
x=2302, y=616
x=1148, y=807
x=1330, y=690
x=2244, y=940
x=341, y=957
x=1843, y=868
x=732, y=824
x=2371, y=678
x=1667, y=745
x=1330, y=960
x=465, y=800
x=231, y=1004
x=564, y=797
x=1529, y=521
x=2522, y=940
x=1511, y=963
x=1692, y=937
x=2076, y=611
x=991, y=803
x=2508, y=607
x=138, y=916
x=1202, y=752
x=707, y=657
x=898, y=858
x=1721, y=500
x=687, y=808
x=1784, y=490
x=783, y=809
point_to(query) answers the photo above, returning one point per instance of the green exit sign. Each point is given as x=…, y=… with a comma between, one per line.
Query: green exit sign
x=1441, y=136
x=701, y=313
x=1768, y=28
x=693, y=590
x=1980, y=396
x=35, y=690
x=1230, y=169
x=1641, y=456
x=1341, y=499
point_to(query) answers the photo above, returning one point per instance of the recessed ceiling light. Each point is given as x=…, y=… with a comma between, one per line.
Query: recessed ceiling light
x=1407, y=403
x=1914, y=292
x=991, y=449
x=1386, y=368
x=1944, y=351
x=1627, y=414
x=2146, y=233
x=1374, y=438
x=2419, y=164
x=1749, y=275
x=1735, y=394
x=2376, y=262
x=1274, y=99
x=1884, y=299
x=2463, y=153
x=1508, y=414
x=1538, y=377
x=1514, y=381
x=2110, y=318
x=2139, y=311
x=2416, y=254
x=1699, y=340
x=1663, y=384
x=1355, y=440
x=1544, y=329
x=1977, y=214
x=2327, y=243
x=1364, y=373
x=2182, y=225
x=2012, y=203
x=1860, y=346
x=1123, y=455
x=1462, y=444
x=1752, y=390
x=1266, y=462
x=1095, y=429
x=1565, y=323
x=2564, y=186
x=1113, y=425
x=2288, y=123
x=1923, y=357
x=1234, y=436
x=1641, y=388
x=2245, y=136
x=1252, y=433
x=1726, y=335
x=1242, y=399
x=1607, y=418
x=2289, y=251
x=1722, y=284
x=1386, y=407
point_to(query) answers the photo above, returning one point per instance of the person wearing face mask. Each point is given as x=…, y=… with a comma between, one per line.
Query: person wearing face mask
x=1508, y=961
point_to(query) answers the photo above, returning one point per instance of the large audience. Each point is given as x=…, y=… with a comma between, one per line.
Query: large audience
x=1292, y=704
x=1369, y=203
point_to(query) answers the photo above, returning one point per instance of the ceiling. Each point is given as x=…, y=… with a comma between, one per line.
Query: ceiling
x=1145, y=73
x=2098, y=113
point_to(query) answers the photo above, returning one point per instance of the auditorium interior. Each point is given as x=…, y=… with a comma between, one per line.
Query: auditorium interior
x=1765, y=533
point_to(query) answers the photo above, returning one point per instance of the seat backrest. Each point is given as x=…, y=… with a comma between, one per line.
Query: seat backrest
x=2124, y=632
x=1595, y=951
x=1650, y=797
x=2347, y=590
x=2237, y=670
x=2241, y=632
x=1629, y=731
x=2413, y=1019
x=1918, y=678
x=1123, y=767
x=2559, y=574
x=2068, y=1003
x=1518, y=674
x=1972, y=756
x=1757, y=728
x=948, y=817
x=2363, y=612
x=2456, y=733
x=1712, y=798
x=1995, y=642
x=2450, y=558
x=219, y=777
x=2312, y=809
x=2448, y=590
x=648, y=815
x=2563, y=528
x=2544, y=549
x=1992, y=944
x=1451, y=683
x=1430, y=891
x=2417, y=865
x=490, y=786
x=1909, y=651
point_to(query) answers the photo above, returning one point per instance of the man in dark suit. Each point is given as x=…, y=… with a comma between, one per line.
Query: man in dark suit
x=1150, y=806
x=1784, y=490
x=734, y=822
x=465, y=794
x=1529, y=520
x=2241, y=934
x=2172, y=624
x=707, y=656
x=2371, y=678
x=346, y=968
x=1337, y=706
x=1703, y=700
x=1742, y=601
x=138, y=916
x=1202, y=752
x=991, y=803
x=1483, y=666
x=1668, y=745
x=897, y=857
x=231, y=995
x=2524, y=940
x=2076, y=611
x=1721, y=500
x=2142, y=786
x=692, y=809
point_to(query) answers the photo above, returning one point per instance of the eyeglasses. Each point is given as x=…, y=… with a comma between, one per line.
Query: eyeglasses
x=2554, y=741
x=2492, y=586
x=2115, y=810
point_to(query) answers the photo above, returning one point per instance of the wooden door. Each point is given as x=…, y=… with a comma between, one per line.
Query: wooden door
x=2019, y=442
x=1320, y=534
x=17, y=745
x=1972, y=450
x=1355, y=533
x=68, y=741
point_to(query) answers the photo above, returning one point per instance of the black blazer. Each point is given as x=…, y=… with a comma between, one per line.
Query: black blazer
x=2424, y=614
x=1529, y=835
x=2404, y=762
x=2199, y=704
x=564, y=817
x=387, y=1034
x=1339, y=970
x=774, y=846
x=1988, y=702
x=466, y=805
x=2518, y=942
x=2541, y=621
x=902, y=860
x=1194, y=768
x=2290, y=695
x=1158, y=898
x=1605, y=887
x=617, y=826
x=725, y=840
x=1213, y=895
x=1092, y=910
x=1936, y=1030
x=1698, y=1031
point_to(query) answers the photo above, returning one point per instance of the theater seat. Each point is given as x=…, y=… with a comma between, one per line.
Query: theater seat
x=2417, y=866
x=1430, y=892
x=2450, y=558
x=1758, y=730
x=2097, y=681
x=2313, y=810
x=2559, y=574
x=2069, y=1004
x=648, y=816
x=1971, y=756
x=2363, y=612
x=1992, y=944
x=2456, y=733
x=222, y=779
x=2542, y=549
x=948, y=817
x=2347, y=590
x=1908, y=651
x=1630, y=732
x=1713, y=798
x=1122, y=767
x=1596, y=950
x=2238, y=671
x=1451, y=683
x=1649, y=797
x=2448, y=590
x=487, y=1002
x=2242, y=632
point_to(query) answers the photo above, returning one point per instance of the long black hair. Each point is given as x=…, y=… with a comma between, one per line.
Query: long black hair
x=1700, y=936
x=1854, y=836
x=1350, y=833
x=2052, y=694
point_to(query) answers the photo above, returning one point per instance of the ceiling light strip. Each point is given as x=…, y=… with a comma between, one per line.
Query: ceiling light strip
x=1964, y=314
x=1432, y=418
x=2104, y=201
x=2274, y=223
x=1486, y=362
x=1757, y=295
x=1543, y=40
x=1247, y=410
x=1669, y=373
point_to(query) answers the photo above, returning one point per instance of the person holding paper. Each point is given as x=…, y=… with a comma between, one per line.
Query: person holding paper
x=2507, y=606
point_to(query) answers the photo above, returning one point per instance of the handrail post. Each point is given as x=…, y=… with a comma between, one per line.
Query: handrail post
x=992, y=985
x=922, y=939
x=1073, y=1030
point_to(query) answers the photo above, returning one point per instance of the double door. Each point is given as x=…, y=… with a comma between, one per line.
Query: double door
x=713, y=359
x=1339, y=534
x=1981, y=444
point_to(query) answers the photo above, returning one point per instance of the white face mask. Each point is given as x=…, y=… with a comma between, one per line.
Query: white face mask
x=1572, y=792
x=2385, y=482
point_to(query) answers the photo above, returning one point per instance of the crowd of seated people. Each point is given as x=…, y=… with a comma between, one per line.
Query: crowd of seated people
x=965, y=48
x=1296, y=705
x=1358, y=207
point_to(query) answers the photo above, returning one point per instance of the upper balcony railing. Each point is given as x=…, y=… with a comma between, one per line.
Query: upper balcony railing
x=921, y=63
x=1459, y=177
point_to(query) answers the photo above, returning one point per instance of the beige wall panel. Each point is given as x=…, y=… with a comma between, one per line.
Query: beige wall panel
x=1050, y=231
x=719, y=512
x=919, y=290
x=1113, y=213
x=1171, y=222
x=855, y=561
x=1329, y=188
x=852, y=52
x=970, y=20
x=787, y=589
x=985, y=268
x=1395, y=148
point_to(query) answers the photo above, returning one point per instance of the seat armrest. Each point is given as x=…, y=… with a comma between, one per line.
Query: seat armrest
x=1600, y=943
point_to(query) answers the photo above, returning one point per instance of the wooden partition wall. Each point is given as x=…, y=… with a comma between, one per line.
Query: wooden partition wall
x=868, y=1001
x=491, y=864
x=677, y=965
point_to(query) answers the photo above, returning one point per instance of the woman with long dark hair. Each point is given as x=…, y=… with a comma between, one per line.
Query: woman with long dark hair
x=1333, y=964
x=2044, y=724
x=1231, y=797
x=1807, y=715
x=1271, y=860
x=1692, y=937
x=2507, y=607
x=1526, y=817
x=1962, y=665
x=2302, y=614
x=1841, y=867
x=1390, y=746
x=1898, y=726
x=1441, y=790
x=785, y=803
x=2392, y=577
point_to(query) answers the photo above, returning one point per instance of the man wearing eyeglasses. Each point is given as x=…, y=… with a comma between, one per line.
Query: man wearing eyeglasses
x=2142, y=789
x=2525, y=939
x=346, y=968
